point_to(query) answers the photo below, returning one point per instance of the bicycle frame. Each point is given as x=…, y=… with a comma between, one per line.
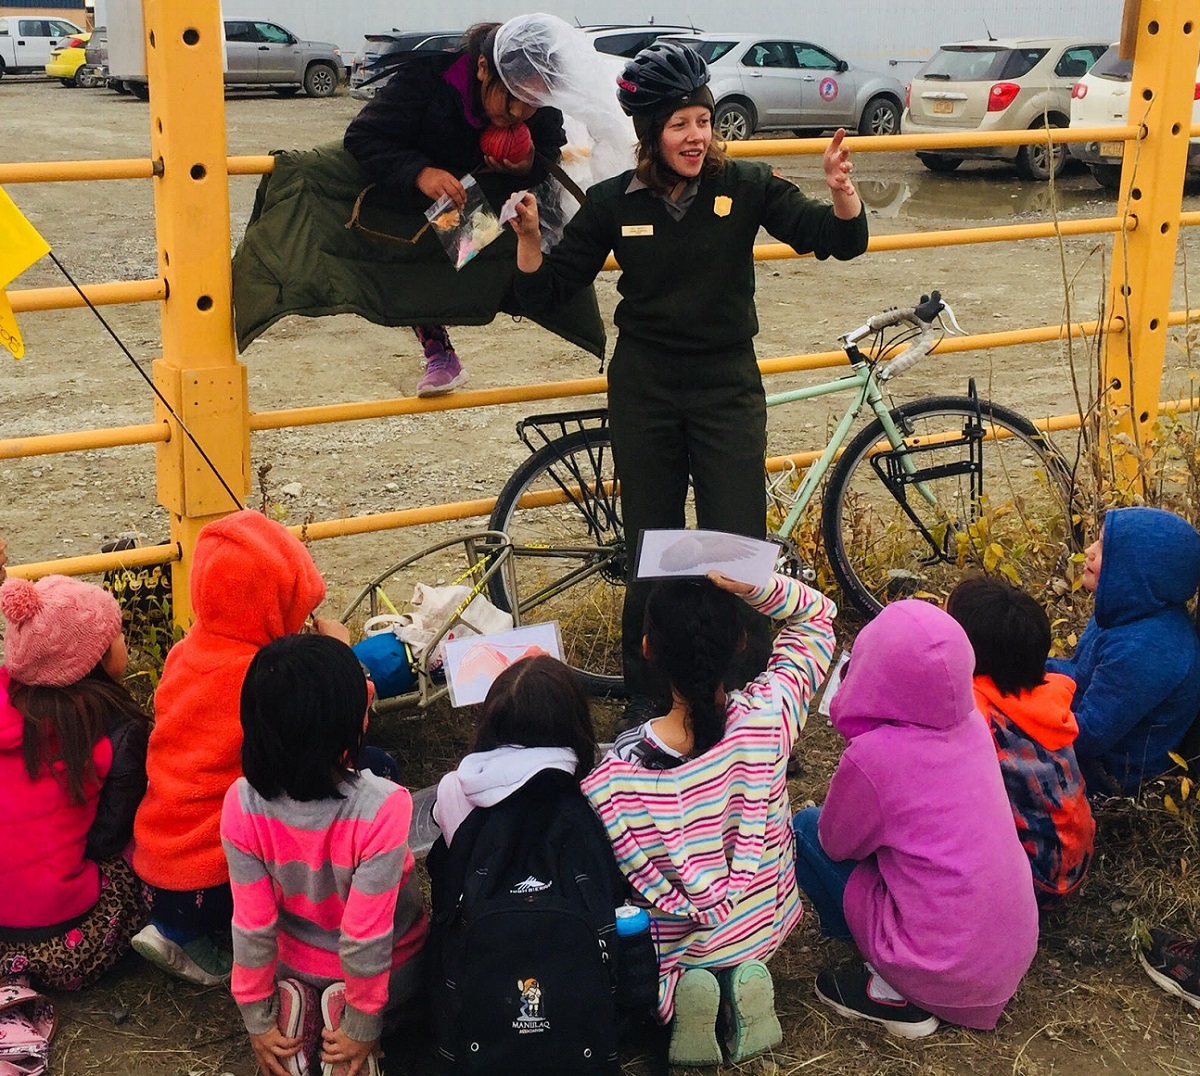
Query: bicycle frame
x=862, y=378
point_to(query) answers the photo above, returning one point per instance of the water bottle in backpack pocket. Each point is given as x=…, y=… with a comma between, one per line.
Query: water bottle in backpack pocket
x=637, y=960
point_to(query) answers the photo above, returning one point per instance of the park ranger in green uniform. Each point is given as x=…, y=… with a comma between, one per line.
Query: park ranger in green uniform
x=685, y=395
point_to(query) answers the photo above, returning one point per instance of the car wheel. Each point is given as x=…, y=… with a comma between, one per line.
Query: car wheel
x=1041, y=161
x=79, y=79
x=140, y=90
x=1107, y=175
x=320, y=80
x=287, y=91
x=939, y=162
x=1, y=68
x=117, y=85
x=880, y=117
x=733, y=122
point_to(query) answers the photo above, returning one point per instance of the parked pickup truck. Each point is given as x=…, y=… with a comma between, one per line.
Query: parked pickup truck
x=25, y=42
x=259, y=53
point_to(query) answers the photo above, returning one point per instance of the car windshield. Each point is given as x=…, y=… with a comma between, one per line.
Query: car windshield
x=1111, y=66
x=710, y=50
x=979, y=63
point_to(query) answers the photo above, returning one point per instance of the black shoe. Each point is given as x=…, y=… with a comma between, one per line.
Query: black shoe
x=852, y=992
x=639, y=710
x=1174, y=964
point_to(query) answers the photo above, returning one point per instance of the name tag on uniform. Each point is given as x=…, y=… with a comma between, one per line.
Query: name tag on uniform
x=637, y=229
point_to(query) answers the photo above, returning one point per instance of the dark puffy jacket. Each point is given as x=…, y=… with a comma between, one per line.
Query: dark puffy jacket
x=1137, y=665
x=420, y=119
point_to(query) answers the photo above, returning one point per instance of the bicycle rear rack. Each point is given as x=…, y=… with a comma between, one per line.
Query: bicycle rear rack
x=532, y=429
x=888, y=466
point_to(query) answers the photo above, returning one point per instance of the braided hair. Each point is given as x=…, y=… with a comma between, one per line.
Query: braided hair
x=694, y=631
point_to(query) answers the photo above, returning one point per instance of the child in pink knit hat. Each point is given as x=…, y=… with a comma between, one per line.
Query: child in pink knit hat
x=72, y=773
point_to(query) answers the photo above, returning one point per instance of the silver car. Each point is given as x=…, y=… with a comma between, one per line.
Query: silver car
x=262, y=53
x=1000, y=84
x=763, y=83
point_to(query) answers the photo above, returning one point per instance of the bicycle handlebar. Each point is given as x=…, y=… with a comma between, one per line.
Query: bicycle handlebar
x=921, y=316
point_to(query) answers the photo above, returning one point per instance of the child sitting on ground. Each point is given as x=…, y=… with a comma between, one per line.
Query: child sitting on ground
x=72, y=772
x=524, y=889
x=1137, y=665
x=535, y=719
x=326, y=909
x=1029, y=711
x=914, y=854
x=252, y=582
x=703, y=836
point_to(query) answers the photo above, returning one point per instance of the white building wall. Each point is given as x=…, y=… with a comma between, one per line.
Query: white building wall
x=866, y=31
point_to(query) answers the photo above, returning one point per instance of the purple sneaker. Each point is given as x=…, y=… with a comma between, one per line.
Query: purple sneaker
x=443, y=374
x=300, y=1014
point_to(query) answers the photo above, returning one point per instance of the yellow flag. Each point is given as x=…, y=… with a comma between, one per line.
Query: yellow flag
x=20, y=247
x=10, y=334
x=20, y=243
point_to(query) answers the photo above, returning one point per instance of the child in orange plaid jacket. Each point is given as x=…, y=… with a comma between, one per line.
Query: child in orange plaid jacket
x=1029, y=711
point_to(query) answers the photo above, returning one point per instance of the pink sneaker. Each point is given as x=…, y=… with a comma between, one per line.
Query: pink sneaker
x=300, y=1014
x=333, y=1004
x=443, y=374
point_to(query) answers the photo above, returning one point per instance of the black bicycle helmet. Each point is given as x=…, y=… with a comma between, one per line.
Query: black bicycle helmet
x=662, y=77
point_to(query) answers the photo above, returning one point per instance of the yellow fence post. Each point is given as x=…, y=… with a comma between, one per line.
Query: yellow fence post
x=1143, y=262
x=198, y=373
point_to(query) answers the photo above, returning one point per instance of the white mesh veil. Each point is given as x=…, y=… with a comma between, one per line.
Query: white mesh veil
x=546, y=61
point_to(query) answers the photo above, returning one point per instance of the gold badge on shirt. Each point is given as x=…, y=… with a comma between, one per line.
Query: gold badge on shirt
x=722, y=205
x=637, y=229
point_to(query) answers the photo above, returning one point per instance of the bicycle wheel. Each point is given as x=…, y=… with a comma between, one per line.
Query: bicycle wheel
x=976, y=486
x=561, y=510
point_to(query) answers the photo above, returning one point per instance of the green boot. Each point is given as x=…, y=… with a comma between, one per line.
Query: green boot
x=694, y=1028
x=749, y=1026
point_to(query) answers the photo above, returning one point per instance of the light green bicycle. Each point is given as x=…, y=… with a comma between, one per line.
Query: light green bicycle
x=926, y=491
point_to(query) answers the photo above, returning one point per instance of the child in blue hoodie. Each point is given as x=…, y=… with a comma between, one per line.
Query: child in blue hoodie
x=1137, y=665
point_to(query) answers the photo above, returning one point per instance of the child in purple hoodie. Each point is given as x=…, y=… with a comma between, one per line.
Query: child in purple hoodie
x=914, y=853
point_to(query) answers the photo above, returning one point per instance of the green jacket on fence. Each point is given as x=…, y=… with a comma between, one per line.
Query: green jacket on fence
x=299, y=257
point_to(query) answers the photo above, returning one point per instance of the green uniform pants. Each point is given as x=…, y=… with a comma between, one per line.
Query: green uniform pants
x=675, y=416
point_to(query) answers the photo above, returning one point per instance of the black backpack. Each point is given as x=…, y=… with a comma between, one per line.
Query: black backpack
x=522, y=949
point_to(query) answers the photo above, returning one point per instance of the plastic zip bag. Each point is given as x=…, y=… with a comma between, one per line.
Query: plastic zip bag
x=464, y=232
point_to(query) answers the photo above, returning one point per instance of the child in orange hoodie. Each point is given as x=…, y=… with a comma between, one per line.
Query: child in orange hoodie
x=252, y=582
x=1030, y=715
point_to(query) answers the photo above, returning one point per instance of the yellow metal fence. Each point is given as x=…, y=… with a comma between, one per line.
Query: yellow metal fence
x=201, y=376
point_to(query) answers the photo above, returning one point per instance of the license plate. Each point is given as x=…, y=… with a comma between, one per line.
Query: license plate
x=943, y=108
x=1112, y=149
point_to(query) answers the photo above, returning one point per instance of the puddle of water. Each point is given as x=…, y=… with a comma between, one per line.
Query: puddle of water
x=969, y=197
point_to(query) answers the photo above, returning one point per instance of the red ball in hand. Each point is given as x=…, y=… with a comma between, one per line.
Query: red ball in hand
x=510, y=145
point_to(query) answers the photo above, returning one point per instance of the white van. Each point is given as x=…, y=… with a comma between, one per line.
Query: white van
x=1101, y=99
x=26, y=41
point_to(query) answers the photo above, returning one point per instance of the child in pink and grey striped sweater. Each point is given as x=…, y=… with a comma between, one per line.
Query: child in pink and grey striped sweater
x=324, y=898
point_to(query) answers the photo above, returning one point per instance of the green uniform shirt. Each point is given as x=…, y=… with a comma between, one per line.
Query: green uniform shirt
x=687, y=285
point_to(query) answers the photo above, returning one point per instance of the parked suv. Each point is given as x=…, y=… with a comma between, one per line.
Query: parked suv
x=374, y=63
x=1100, y=99
x=763, y=83
x=260, y=53
x=1003, y=85
x=626, y=41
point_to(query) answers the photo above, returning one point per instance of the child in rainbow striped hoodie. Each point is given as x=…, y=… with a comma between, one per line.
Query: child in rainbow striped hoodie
x=696, y=805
